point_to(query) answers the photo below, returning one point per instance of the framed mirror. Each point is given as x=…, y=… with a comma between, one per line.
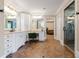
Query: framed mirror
x=10, y=19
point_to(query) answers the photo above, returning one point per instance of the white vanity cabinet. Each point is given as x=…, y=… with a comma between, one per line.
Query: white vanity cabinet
x=2, y=48
x=20, y=39
x=8, y=44
x=42, y=36
x=13, y=41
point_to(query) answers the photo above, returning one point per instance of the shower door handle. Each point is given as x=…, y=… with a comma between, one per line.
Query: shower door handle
x=77, y=13
x=64, y=28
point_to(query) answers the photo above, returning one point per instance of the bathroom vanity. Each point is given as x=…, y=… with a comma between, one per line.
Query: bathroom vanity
x=12, y=41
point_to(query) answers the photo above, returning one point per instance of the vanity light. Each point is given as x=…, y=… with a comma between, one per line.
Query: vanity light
x=37, y=17
x=11, y=17
x=6, y=9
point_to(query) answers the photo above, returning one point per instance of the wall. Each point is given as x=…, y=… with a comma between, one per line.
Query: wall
x=59, y=26
x=1, y=20
x=1, y=4
x=2, y=47
x=1, y=14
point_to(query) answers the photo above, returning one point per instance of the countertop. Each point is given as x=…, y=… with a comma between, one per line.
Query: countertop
x=6, y=32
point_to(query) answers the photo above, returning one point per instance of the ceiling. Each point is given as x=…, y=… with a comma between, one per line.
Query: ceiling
x=48, y=7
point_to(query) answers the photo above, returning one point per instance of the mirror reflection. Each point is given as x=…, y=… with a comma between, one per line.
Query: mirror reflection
x=10, y=19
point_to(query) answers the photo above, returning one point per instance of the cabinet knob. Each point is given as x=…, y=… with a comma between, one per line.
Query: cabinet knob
x=8, y=45
x=7, y=40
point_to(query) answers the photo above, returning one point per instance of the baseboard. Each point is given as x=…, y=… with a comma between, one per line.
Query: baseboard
x=55, y=37
x=62, y=43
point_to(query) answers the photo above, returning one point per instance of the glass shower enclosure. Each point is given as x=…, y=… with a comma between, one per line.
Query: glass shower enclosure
x=69, y=26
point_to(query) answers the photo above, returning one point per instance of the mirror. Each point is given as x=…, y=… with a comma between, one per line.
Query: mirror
x=38, y=24
x=10, y=18
x=41, y=24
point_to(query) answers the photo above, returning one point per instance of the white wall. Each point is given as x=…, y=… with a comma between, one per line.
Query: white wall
x=59, y=26
x=1, y=15
x=1, y=4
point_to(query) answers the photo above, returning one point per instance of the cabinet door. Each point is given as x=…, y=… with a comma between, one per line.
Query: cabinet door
x=8, y=44
x=41, y=36
x=19, y=40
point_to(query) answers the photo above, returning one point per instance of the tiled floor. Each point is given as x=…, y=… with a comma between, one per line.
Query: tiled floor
x=51, y=48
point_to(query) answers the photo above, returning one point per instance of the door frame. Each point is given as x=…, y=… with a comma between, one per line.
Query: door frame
x=76, y=30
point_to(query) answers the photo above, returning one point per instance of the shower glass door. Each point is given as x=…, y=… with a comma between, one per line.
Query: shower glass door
x=69, y=27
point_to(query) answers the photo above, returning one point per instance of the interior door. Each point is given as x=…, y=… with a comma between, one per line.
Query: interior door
x=69, y=27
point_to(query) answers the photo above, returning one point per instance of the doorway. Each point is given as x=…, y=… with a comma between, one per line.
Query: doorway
x=69, y=26
x=50, y=20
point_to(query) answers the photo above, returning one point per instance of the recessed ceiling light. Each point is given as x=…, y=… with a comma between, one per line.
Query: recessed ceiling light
x=44, y=8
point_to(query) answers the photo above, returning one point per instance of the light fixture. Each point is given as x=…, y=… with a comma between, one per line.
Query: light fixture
x=6, y=9
x=37, y=17
x=44, y=8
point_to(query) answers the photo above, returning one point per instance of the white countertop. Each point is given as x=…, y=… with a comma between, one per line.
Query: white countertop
x=5, y=32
